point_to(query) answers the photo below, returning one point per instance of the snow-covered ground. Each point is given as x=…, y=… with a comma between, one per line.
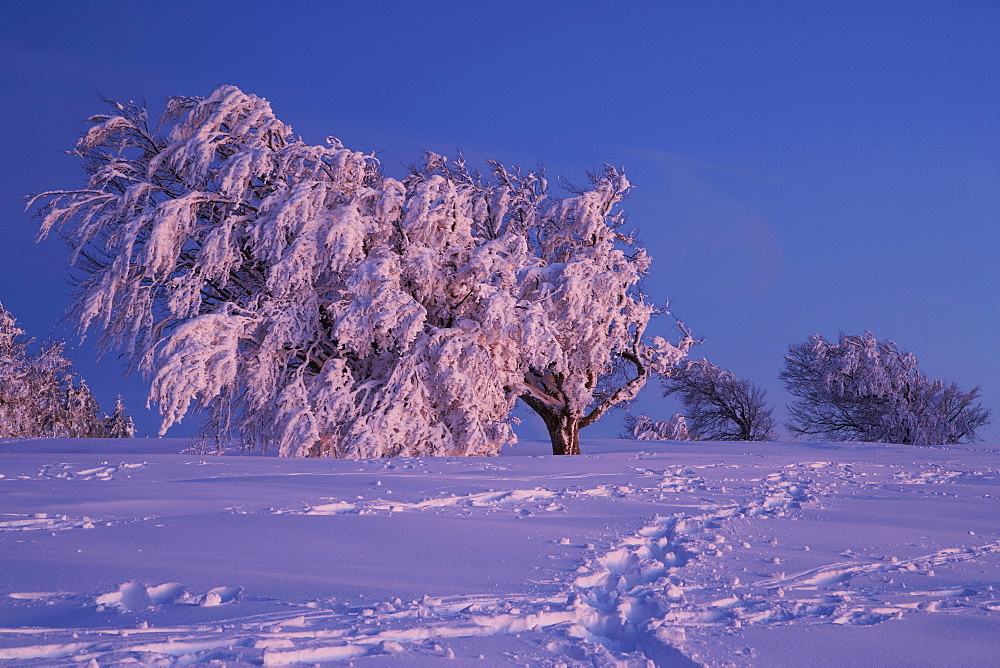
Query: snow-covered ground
x=118, y=551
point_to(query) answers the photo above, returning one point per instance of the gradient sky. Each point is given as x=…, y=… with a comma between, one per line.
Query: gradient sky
x=799, y=167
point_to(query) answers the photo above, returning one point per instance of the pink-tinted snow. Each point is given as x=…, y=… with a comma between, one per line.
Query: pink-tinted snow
x=762, y=554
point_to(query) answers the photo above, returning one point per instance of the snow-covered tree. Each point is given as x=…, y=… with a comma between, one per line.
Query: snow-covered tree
x=80, y=415
x=310, y=302
x=119, y=424
x=718, y=405
x=32, y=391
x=40, y=396
x=14, y=374
x=862, y=389
x=643, y=428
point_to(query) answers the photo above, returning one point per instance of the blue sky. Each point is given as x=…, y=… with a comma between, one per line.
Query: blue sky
x=800, y=167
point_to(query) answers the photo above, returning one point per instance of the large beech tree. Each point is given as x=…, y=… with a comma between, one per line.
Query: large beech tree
x=309, y=302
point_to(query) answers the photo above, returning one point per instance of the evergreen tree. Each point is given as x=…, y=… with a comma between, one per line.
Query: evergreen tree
x=119, y=424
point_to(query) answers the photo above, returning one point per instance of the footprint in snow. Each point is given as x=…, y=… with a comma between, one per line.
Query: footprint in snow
x=102, y=472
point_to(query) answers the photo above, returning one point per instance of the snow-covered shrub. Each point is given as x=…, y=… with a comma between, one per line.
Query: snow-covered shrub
x=308, y=301
x=643, y=428
x=861, y=389
x=40, y=396
x=718, y=405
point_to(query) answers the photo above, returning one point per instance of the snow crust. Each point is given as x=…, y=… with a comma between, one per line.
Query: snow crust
x=679, y=553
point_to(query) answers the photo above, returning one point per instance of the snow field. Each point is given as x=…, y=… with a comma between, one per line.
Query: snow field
x=671, y=553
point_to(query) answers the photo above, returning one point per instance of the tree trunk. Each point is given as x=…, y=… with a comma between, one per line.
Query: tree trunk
x=564, y=432
x=563, y=426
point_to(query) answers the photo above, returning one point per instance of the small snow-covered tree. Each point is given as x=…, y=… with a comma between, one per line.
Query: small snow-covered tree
x=862, y=389
x=310, y=302
x=718, y=405
x=644, y=428
x=119, y=424
x=40, y=396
